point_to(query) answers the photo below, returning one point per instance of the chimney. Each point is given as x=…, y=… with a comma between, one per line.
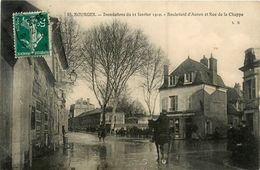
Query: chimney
x=81, y=102
x=205, y=61
x=213, y=69
x=165, y=74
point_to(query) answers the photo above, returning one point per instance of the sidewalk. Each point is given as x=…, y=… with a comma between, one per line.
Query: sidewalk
x=229, y=163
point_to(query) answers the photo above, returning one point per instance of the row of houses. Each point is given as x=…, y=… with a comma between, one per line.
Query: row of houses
x=32, y=100
x=194, y=94
x=84, y=116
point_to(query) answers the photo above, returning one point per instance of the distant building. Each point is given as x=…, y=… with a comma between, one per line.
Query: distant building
x=235, y=105
x=140, y=122
x=78, y=108
x=93, y=118
x=81, y=106
x=194, y=94
x=251, y=88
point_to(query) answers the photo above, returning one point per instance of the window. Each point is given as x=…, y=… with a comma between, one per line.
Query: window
x=177, y=125
x=174, y=103
x=208, y=127
x=250, y=88
x=188, y=78
x=250, y=121
x=190, y=103
x=173, y=80
x=165, y=103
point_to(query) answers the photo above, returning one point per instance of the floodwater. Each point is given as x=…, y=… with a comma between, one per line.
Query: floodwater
x=85, y=152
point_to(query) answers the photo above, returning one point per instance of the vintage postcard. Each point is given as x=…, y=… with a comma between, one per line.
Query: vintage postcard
x=134, y=85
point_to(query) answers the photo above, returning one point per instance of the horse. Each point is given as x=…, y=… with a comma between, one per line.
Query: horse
x=160, y=140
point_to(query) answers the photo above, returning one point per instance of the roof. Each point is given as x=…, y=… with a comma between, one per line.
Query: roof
x=91, y=112
x=58, y=42
x=202, y=74
x=252, y=59
x=95, y=111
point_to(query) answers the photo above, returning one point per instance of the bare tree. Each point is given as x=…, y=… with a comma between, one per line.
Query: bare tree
x=113, y=53
x=152, y=75
x=71, y=37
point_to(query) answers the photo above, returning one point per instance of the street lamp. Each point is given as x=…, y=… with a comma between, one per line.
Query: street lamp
x=72, y=76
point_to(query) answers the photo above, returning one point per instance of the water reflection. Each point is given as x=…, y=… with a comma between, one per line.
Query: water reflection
x=86, y=152
x=102, y=157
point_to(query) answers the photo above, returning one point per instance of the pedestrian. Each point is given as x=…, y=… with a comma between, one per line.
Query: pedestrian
x=216, y=134
x=231, y=138
x=244, y=142
x=195, y=136
x=102, y=132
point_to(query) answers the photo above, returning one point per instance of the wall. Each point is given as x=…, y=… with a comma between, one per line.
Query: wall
x=120, y=117
x=6, y=95
x=183, y=93
x=215, y=107
x=252, y=106
x=21, y=113
x=257, y=115
x=208, y=103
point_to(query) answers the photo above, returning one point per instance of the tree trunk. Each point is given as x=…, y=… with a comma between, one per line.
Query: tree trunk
x=113, y=115
x=104, y=116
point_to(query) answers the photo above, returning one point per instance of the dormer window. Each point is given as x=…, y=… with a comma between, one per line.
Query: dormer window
x=173, y=80
x=188, y=78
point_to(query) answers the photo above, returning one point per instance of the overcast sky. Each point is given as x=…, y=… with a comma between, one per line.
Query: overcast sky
x=226, y=37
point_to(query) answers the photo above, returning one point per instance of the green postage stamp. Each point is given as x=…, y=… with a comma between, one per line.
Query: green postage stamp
x=31, y=34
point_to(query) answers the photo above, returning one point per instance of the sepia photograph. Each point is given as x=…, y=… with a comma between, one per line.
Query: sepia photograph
x=133, y=85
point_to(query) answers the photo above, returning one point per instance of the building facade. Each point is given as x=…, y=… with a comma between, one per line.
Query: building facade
x=81, y=106
x=235, y=105
x=92, y=119
x=251, y=88
x=195, y=95
x=31, y=102
x=76, y=109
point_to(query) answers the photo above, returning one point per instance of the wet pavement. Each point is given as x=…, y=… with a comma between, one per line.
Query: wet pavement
x=85, y=152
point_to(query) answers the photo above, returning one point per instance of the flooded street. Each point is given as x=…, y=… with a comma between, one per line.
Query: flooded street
x=85, y=152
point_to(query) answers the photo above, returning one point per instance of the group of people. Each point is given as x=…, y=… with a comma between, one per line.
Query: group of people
x=241, y=143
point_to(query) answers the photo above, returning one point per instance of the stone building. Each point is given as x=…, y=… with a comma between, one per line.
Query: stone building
x=139, y=121
x=251, y=88
x=194, y=94
x=92, y=119
x=32, y=102
x=81, y=106
x=78, y=108
x=235, y=105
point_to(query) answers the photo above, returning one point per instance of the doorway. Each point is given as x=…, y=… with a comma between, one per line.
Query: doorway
x=188, y=128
